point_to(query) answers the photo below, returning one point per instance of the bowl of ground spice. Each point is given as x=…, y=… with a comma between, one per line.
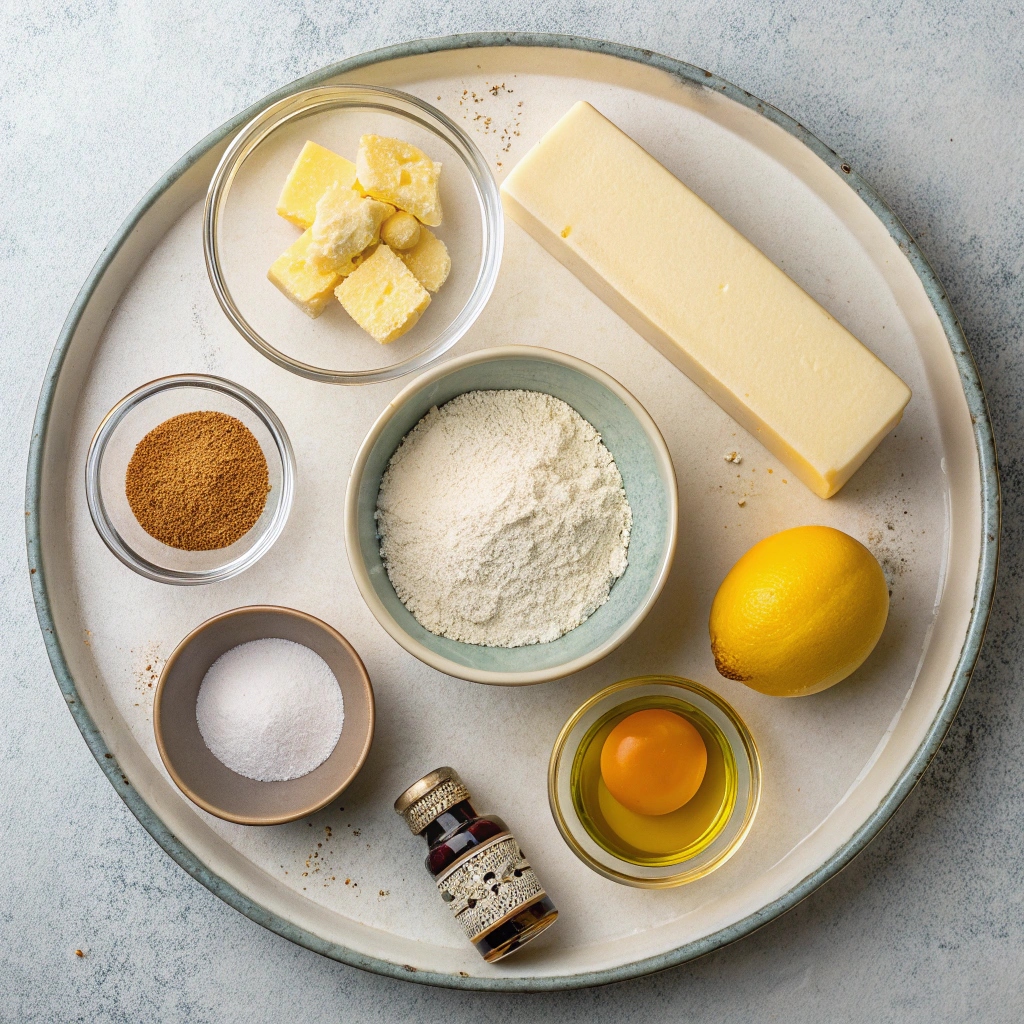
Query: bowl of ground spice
x=511, y=517
x=189, y=479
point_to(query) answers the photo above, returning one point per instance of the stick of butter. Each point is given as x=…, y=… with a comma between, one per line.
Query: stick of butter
x=706, y=298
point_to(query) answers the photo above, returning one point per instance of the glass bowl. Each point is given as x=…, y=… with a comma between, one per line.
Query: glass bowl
x=111, y=450
x=729, y=823
x=243, y=234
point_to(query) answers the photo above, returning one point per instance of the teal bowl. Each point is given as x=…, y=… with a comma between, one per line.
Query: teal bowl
x=647, y=475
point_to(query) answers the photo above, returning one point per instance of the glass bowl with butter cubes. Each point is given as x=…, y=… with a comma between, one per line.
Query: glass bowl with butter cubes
x=352, y=233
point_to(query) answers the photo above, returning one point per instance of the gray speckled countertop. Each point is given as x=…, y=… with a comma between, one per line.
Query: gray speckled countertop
x=99, y=98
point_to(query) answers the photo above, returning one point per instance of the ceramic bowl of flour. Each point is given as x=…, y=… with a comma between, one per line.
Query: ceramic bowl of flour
x=642, y=458
x=208, y=782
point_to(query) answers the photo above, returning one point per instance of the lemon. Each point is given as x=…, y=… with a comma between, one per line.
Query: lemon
x=800, y=611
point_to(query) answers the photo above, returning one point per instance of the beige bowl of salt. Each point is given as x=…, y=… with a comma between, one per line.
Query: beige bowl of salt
x=207, y=780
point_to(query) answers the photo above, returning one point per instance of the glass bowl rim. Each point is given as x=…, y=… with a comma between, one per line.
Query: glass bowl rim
x=690, y=874
x=347, y=94
x=94, y=495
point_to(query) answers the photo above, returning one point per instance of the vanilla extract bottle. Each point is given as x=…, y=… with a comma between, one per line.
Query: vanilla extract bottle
x=479, y=868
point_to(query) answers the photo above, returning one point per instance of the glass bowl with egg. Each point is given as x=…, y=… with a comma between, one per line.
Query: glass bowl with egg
x=423, y=279
x=654, y=782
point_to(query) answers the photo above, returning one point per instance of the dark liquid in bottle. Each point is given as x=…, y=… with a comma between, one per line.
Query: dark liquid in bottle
x=453, y=834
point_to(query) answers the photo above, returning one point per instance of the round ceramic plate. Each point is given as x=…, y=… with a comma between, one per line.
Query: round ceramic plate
x=349, y=882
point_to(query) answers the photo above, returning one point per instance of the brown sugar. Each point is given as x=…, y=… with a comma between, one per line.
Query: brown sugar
x=198, y=481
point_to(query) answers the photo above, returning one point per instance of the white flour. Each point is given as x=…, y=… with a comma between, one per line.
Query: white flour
x=270, y=710
x=503, y=520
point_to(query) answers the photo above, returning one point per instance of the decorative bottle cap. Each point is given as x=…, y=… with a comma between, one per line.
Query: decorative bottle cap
x=435, y=793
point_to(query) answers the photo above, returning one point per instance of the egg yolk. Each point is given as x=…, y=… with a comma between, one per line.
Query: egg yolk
x=653, y=761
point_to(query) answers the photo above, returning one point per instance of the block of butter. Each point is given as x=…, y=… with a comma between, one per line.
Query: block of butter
x=706, y=298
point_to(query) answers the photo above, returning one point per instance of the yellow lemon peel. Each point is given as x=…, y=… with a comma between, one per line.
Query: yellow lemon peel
x=799, y=612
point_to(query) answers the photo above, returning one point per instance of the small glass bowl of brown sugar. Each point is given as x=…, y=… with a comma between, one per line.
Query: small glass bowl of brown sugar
x=189, y=479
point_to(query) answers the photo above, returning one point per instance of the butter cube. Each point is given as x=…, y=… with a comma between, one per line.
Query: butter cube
x=399, y=173
x=346, y=223
x=428, y=259
x=312, y=174
x=706, y=298
x=383, y=296
x=300, y=279
x=401, y=230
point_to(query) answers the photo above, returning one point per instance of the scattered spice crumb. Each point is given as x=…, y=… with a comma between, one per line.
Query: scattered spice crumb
x=150, y=663
x=733, y=457
x=79, y=953
x=487, y=126
x=741, y=502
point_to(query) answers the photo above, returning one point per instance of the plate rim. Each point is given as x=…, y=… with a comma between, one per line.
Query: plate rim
x=911, y=774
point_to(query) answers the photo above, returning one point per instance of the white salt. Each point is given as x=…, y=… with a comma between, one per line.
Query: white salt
x=270, y=710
